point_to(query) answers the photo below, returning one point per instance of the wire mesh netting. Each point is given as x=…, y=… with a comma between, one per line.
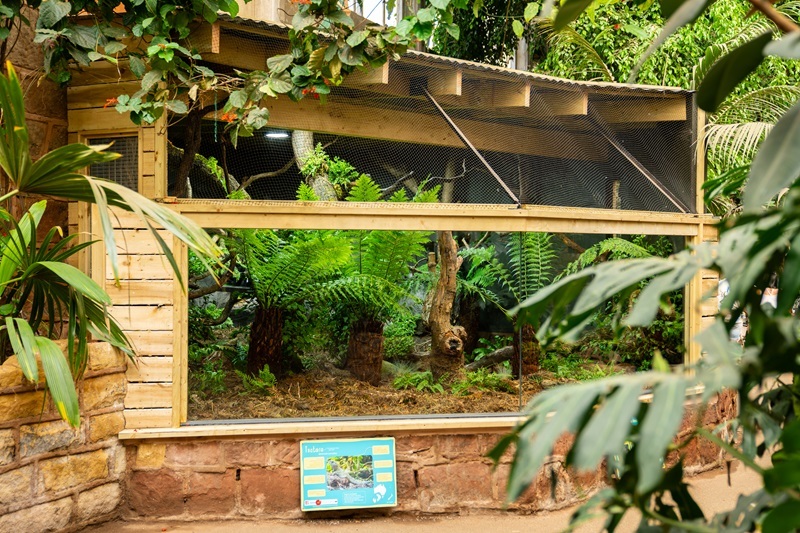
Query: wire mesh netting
x=124, y=170
x=486, y=135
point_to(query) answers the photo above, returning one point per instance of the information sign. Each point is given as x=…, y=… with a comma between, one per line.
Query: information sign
x=347, y=474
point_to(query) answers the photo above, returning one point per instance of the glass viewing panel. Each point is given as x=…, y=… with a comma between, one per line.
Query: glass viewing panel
x=345, y=323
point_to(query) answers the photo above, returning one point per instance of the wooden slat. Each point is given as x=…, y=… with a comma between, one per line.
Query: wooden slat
x=710, y=232
x=150, y=370
x=147, y=267
x=141, y=292
x=180, y=319
x=461, y=217
x=700, y=162
x=88, y=120
x=446, y=83
x=710, y=287
x=98, y=96
x=143, y=317
x=641, y=110
x=371, y=76
x=205, y=38
x=122, y=219
x=152, y=343
x=709, y=274
x=147, y=418
x=160, y=158
x=140, y=241
x=148, y=139
x=148, y=395
x=706, y=322
x=148, y=164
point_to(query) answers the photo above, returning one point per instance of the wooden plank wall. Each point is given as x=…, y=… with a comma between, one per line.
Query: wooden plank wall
x=143, y=296
x=143, y=300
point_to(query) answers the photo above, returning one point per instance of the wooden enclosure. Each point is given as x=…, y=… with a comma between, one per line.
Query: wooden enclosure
x=152, y=307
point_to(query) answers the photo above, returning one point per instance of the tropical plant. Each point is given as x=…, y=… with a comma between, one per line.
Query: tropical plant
x=753, y=245
x=38, y=288
x=421, y=381
x=370, y=289
x=283, y=273
x=528, y=267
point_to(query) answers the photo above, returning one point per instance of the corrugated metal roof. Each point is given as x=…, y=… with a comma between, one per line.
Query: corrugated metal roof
x=433, y=59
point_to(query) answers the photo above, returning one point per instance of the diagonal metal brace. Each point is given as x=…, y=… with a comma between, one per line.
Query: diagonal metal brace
x=469, y=145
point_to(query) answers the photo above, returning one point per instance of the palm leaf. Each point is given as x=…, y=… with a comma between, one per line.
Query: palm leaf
x=587, y=58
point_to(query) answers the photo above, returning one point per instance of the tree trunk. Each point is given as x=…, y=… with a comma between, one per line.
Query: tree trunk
x=194, y=122
x=531, y=351
x=469, y=317
x=447, y=341
x=266, y=341
x=365, y=351
x=303, y=146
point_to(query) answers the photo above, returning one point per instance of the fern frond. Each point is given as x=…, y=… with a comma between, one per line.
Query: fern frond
x=364, y=190
x=363, y=295
x=399, y=196
x=607, y=249
x=427, y=196
x=388, y=254
x=306, y=194
x=530, y=260
x=281, y=271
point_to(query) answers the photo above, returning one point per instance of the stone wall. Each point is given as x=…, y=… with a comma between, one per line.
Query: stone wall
x=54, y=477
x=260, y=477
x=45, y=109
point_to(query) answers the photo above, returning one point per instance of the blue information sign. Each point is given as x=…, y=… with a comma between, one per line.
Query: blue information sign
x=347, y=474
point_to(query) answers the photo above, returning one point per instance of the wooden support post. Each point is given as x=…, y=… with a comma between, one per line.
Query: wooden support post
x=180, y=355
x=700, y=160
x=693, y=318
x=371, y=76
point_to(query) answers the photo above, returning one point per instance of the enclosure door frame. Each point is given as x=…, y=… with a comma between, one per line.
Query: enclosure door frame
x=259, y=214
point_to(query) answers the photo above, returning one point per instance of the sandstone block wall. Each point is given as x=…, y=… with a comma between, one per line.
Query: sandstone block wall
x=238, y=478
x=54, y=477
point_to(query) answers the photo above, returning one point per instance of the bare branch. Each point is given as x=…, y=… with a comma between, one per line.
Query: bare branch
x=784, y=23
x=222, y=280
x=255, y=177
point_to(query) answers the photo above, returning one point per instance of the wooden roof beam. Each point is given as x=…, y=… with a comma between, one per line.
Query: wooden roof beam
x=341, y=118
x=641, y=110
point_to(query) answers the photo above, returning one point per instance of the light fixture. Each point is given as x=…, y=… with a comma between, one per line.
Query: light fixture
x=277, y=135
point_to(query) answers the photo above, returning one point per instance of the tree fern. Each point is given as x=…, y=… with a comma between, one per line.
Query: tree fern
x=282, y=271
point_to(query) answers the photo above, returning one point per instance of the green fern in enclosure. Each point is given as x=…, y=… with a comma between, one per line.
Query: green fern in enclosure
x=282, y=273
x=421, y=381
x=306, y=193
x=605, y=250
x=484, y=380
x=261, y=384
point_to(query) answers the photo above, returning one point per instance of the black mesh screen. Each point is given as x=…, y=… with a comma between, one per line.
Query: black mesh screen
x=487, y=135
x=124, y=170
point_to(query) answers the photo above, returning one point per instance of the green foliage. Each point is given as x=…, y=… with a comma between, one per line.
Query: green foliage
x=261, y=384
x=483, y=379
x=364, y=190
x=210, y=378
x=306, y=194
x=570, y=367
x=283, y=272
x=398, y=335
x=606, y=250
x=487, y=346
x=421, y=381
